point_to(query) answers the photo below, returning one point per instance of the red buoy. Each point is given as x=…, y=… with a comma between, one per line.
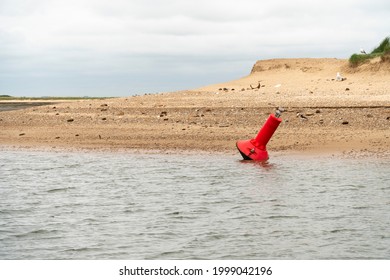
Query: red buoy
x=255, y=149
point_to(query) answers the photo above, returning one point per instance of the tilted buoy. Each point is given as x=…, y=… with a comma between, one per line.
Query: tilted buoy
x=255, y=149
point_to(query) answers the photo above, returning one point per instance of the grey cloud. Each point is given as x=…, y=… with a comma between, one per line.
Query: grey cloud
x=200, y=40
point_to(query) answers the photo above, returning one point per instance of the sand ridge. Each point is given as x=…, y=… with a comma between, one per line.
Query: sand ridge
x=322, y=114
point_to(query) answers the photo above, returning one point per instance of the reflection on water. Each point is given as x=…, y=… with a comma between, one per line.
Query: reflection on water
x=68, y=205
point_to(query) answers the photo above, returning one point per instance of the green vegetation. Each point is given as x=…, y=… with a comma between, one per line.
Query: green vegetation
x=382, y=51
x=383, y=47
x=358, y=59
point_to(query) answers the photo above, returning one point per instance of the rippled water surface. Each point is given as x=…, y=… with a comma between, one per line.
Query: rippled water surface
x=85, y=205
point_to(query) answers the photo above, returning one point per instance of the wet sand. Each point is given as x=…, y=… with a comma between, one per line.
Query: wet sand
x=322, y=115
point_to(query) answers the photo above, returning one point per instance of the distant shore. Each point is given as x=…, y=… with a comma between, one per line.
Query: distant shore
x=18, y=105
x=322, y=115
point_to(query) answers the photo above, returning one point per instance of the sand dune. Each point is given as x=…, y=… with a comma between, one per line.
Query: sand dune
x=351, y=116
x=312, y=82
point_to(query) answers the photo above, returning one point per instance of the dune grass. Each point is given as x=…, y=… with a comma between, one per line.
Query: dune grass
x=383, y=51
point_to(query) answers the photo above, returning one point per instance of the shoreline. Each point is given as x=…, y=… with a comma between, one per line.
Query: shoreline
x=319, y=133
x=12, y=105
x=353, y=154
x=323, y=116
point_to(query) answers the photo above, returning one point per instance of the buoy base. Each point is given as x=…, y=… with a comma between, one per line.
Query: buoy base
x=250, y=152
x=255, y=149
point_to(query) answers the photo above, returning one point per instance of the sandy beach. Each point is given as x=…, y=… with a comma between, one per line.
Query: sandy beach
x=322, y=114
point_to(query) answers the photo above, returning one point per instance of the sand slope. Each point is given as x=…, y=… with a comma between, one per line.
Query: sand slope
x=322, y=114
x=311, y=82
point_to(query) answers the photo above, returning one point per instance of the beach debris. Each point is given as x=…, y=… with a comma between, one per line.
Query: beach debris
x=198, y=113
x=369, y=116
x=256, y=87
x=346, y=89
x=339, y=78
x=104, y=119
x=21, y=134
x=318, y=111
x=388, y=118
x=163, y=114
x=279, y=112
x=345, y=122
x=70, y=120
x=278, y=85
x=362, y=51
x=301, y=116
x=104, y=105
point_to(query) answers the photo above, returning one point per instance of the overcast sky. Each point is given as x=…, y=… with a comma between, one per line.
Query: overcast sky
x=125, y=47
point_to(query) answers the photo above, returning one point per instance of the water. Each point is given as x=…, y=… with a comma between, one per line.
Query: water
x=102, y=205
x=17, y=105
